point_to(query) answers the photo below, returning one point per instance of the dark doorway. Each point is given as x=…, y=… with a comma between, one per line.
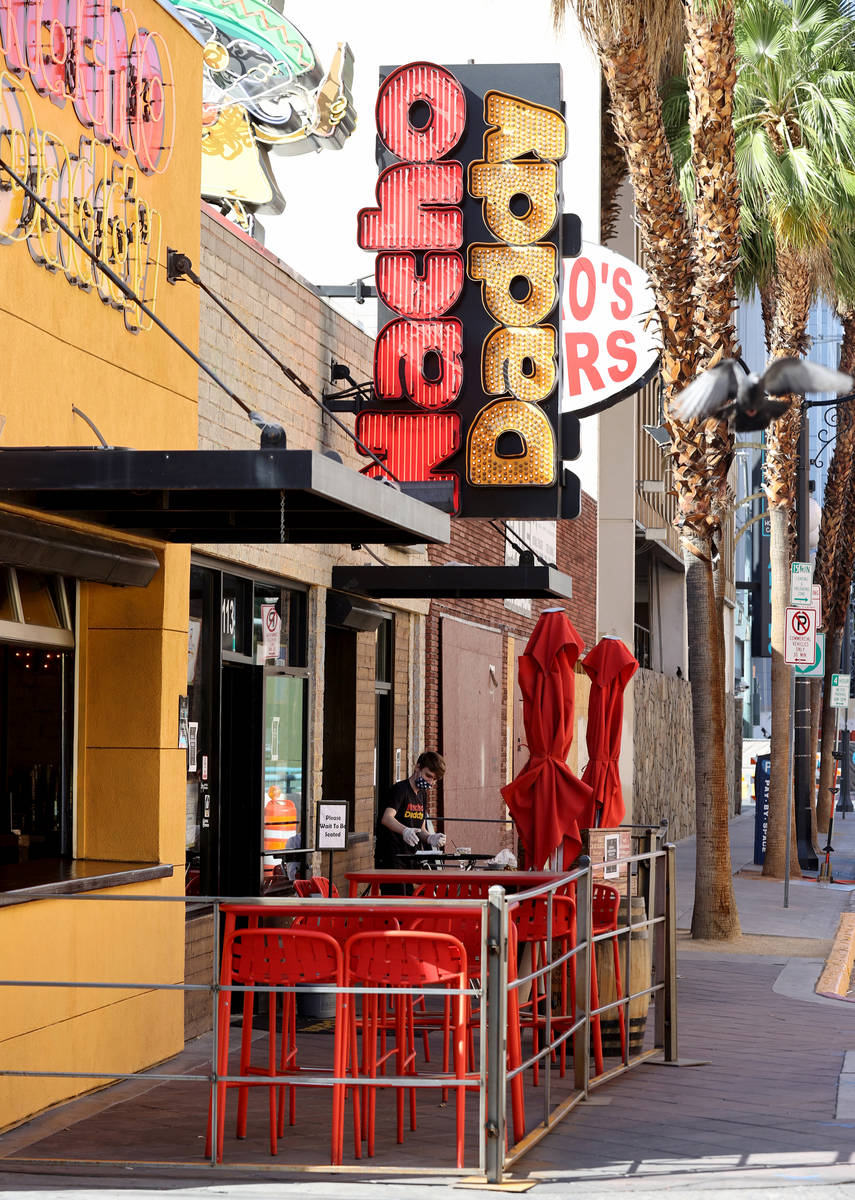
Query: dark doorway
x=241, y=780
x=339, y=770
x=34, y=691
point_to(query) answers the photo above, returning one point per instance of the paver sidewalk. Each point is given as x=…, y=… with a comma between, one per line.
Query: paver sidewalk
x=757, y=1116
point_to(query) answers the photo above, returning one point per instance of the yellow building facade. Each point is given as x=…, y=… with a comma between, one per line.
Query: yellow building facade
x=97, y=117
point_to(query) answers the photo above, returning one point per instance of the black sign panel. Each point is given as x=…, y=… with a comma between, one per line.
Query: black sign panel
x=504, y=445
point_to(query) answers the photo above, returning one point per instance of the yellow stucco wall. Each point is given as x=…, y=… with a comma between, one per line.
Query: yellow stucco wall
x=63, y=346
x=77, y=1029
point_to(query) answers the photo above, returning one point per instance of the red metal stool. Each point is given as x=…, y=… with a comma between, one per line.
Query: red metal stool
x=268, y=958
x=409, y=959
x=466, y=927
x=604, y=919
x=531, y=920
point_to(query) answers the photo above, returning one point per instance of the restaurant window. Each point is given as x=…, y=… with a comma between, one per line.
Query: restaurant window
x=36, y=715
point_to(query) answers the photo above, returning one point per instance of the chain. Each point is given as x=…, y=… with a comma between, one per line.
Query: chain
x=282, y=518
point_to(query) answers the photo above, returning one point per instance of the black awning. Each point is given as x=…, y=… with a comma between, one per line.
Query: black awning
x=437, y=582
x=221, y=496
x=40, y=546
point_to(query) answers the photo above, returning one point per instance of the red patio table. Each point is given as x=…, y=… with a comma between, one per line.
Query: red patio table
x=510, y=880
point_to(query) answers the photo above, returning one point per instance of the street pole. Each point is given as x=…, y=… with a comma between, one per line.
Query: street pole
x=804, y=765
x=844, y=802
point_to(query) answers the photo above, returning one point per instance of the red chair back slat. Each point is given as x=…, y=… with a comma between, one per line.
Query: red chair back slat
x=405, y=958
x=604, y=907
x=280, y=957
x=343, y=926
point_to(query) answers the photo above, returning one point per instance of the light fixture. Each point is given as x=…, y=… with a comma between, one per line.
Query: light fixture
x=660, y=436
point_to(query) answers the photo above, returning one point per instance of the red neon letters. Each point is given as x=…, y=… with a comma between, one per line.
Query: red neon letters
x=421, y=116
x=117, y=76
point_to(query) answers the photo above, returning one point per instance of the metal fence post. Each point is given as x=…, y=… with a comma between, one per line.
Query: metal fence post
x=215, y=1021
x=582, y=1038
x=659, y=936
x=496, y=1004
x=670, y=1004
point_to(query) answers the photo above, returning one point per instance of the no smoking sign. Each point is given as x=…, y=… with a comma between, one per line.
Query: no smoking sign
x=800, y=643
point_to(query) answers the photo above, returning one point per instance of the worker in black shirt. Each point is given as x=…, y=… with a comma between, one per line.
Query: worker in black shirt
x=401, y=828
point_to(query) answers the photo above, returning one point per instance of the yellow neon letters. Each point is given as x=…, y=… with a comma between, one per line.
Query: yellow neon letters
x=511, y=442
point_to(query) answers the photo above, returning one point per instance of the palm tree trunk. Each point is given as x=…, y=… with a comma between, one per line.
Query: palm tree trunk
x=794, y=296
x=612, y=171
x=711, y=72
x=714, y=914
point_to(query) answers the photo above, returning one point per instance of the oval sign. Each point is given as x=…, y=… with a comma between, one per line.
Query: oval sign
x=611, y=334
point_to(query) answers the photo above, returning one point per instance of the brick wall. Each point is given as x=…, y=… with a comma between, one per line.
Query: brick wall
x=478, y=541
x=306, y=333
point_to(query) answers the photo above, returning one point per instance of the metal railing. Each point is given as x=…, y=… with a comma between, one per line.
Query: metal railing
x=650, y=871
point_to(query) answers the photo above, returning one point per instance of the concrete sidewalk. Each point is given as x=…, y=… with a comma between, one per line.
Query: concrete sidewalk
x=758, y=1105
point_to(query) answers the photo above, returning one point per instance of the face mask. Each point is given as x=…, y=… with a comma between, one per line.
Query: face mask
x=423, y=784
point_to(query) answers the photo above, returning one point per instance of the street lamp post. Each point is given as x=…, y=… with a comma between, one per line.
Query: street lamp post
x=804, y=755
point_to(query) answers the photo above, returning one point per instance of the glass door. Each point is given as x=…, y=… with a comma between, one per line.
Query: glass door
x=283, y=816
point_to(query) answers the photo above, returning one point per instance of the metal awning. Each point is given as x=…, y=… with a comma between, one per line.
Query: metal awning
x=40, y=546
x=222, y=496
x=455, y=581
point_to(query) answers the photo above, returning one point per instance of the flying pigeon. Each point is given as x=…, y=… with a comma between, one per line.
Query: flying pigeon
x=727, y=391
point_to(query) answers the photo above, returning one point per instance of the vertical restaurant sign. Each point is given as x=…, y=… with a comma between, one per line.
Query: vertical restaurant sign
x=92, y=57
x=467, y=231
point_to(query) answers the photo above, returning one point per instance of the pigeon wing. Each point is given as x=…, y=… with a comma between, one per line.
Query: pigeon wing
x=792, y=375
x=709, y=393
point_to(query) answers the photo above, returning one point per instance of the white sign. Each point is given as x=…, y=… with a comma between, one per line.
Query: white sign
x=817, y=669
x=192, y=745
x=271, y=623
x=816, y=602
x=840, y=691
x=611, y=332
x=801, y=584
x=611, y=852
x=332, y=825
x=800, y=643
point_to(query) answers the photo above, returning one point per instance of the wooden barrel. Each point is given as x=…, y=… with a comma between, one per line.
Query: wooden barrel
x=640, y=977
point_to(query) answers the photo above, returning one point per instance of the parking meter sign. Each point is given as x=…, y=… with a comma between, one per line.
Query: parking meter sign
x=840, y=691
x=800, y=643
x=801, y=584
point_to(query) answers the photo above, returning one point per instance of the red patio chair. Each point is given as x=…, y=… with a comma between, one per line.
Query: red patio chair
x=403, y=958
x=531, y=920
x=268, y=958
x=467, y=928
x=604, y=918
x=317, y=885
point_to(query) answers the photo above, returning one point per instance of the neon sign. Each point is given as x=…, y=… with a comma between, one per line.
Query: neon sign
x=468, y=233
x=263, y=93
x=117, y=77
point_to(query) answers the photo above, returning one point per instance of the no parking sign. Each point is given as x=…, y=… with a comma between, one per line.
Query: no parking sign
x=800, y=641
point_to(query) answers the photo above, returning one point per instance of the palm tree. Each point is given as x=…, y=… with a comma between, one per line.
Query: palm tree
x=794, y=119
x=691, y=267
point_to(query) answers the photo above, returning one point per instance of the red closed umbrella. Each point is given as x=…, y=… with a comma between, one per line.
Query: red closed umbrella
x=546, y=800
x=610, y=666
